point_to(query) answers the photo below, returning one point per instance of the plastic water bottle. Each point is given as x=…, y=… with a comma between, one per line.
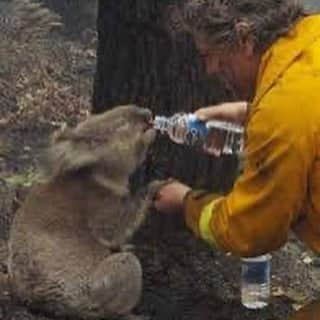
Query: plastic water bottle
x=255, y=281
x=219, y=137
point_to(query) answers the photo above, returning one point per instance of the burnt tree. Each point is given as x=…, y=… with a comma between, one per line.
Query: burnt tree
x=139, y=61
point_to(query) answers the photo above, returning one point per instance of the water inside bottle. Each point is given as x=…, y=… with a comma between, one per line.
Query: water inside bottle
x=255, y=296
x=232, y=136
x=255, y=282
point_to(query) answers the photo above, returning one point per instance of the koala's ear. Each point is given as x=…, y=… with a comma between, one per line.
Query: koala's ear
x=69, y=152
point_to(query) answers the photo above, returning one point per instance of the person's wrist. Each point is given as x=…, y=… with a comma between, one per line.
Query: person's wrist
x=182, y=192
x=243, y=115
x=185, y=199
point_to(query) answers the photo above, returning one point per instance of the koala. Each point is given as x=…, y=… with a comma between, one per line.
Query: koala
x=66, y=240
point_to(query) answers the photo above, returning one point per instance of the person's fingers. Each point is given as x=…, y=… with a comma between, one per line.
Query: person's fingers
x=163, y=207
x=205, y=114
x=234, y=111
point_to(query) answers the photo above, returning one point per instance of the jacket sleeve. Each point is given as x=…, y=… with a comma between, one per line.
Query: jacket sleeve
x=255, y=217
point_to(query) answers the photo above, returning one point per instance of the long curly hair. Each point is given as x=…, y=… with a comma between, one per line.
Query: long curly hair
x=226, y=22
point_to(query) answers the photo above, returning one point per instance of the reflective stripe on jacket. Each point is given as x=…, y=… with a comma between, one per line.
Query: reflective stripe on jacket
x=279, y=188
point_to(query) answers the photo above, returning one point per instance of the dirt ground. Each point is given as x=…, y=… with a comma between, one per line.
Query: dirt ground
x=183, y=278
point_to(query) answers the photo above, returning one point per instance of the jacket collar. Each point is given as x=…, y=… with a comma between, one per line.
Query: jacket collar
x=277, y=59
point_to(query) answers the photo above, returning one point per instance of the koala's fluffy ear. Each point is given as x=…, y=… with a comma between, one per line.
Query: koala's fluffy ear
x=68, y=152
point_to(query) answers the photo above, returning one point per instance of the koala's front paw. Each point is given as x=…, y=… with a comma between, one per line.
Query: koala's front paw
x=154, y=187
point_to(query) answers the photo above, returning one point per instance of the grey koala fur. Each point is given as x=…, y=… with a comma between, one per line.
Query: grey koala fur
x=62, y=240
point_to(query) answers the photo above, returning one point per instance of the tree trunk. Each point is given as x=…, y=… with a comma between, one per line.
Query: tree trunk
x=139, y=62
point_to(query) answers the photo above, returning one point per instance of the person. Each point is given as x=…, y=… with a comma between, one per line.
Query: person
x=269, y=53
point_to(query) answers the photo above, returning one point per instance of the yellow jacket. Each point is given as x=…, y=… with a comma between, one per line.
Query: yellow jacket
x=279, y=188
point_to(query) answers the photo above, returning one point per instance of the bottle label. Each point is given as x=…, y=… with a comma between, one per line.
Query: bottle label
x=196, y=131
x=256, y=272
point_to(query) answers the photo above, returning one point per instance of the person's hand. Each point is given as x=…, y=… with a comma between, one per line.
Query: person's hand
x=232, y=111
x=169, y=199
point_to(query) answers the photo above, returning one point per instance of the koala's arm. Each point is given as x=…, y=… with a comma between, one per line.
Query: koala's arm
x=135, y=210
x=116, y=218
x=138, y=207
